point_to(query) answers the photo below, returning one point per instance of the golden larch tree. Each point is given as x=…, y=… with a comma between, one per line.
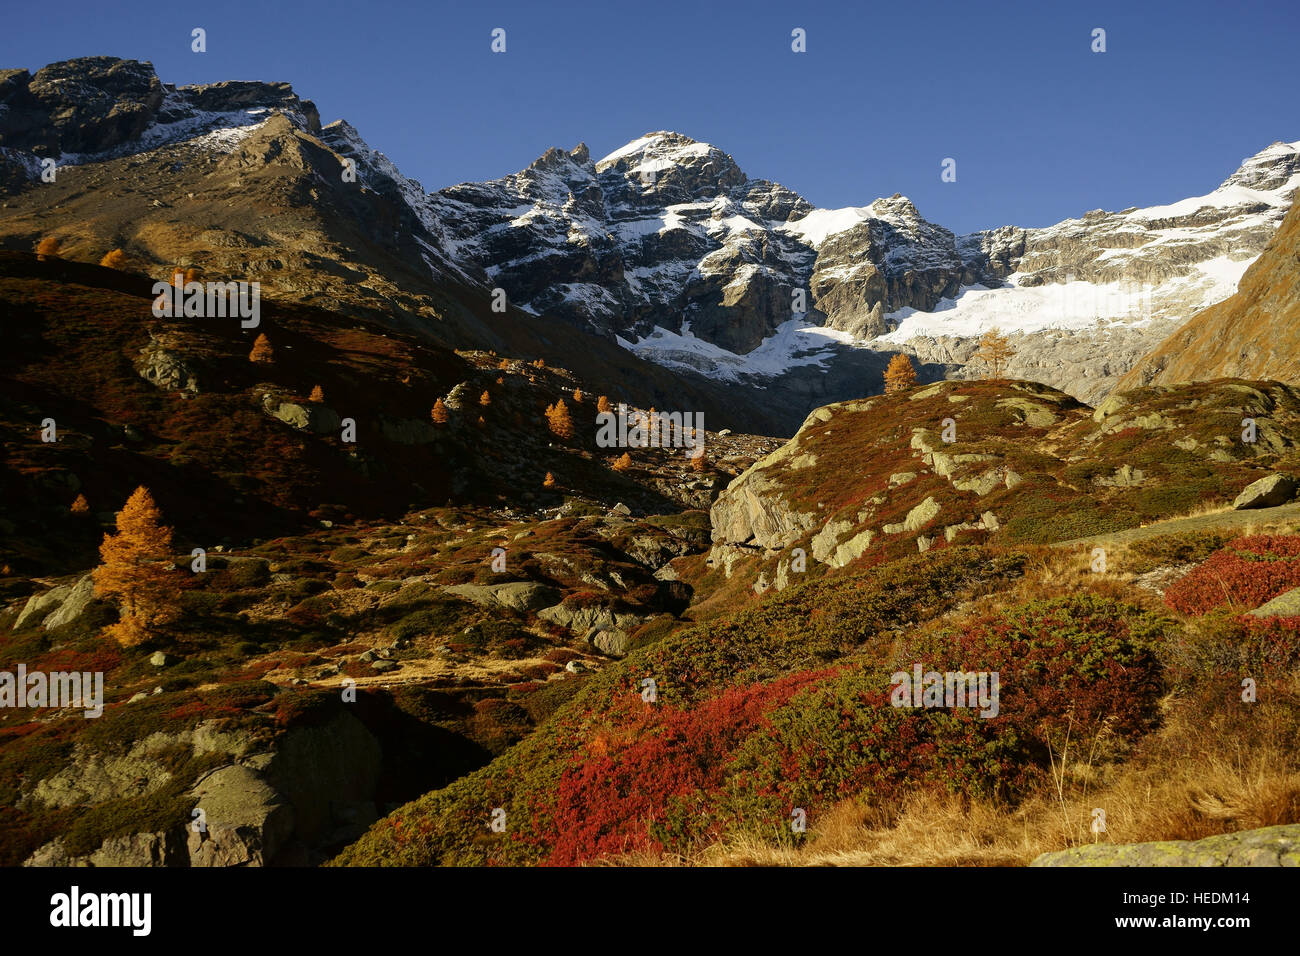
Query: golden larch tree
x=439, y=413
x=113, y=260
x=262, y=351
x=48, y=248
x=485, y=399
x=577, y=396
x=699, y=463
x=317, y=394
x=994, y=351
x=900, y=375
x=132, y=571
x=80, y=506
x=602, y=404
x=548, y=481
x=557, y=416
x=623, y=462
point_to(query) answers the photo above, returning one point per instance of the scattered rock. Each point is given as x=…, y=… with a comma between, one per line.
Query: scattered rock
x=1284, y=605
x=1270, y=846
x=160, y=659
x=615, y=643
x=921, y=515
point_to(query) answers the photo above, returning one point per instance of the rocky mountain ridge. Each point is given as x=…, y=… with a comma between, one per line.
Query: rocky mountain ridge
x=667, y=248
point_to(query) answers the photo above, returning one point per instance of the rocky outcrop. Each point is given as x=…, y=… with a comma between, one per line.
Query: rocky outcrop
x=1266, y=493
x=315, y=787
x=244, y=821
x=85, y=105
x=515, y=595
x=103, y=104
x=163, y=364
x=60, y=605
x=318, y=419
x=1270, y=846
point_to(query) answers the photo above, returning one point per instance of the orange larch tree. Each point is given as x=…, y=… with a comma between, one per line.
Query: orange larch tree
x=439, y=413
x=48, y=247
x=132, y=571
x=262, y=351
x=900, y=375
x=602, y=404
x=317, y=394
x=113, y=260
x=623, y=463
x=557, y=416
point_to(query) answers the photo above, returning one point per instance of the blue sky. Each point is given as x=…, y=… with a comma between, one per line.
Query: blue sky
x=1041, y=127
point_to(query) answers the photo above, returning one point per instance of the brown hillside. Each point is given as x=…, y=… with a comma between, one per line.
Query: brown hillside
x=1254, y=334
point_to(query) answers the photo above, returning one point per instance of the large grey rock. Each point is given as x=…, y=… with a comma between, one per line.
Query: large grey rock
x=167, y=367
x=165, y=848
x=43, y=603
x=921, y=515
x=615, y=643
x=72, y=606
x=516, y=595
x=245, y=820
x=318, y=419
x=1284, y=605
x=585, y=619
x=1266, y=493
x=1270, y=846
x=825, y=541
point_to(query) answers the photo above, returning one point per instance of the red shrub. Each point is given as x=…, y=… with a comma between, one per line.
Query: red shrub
x=1247, y=572
x=650, y=776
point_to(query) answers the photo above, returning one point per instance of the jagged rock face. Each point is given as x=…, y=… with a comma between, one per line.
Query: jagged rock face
x=84, y=105
x=1250, y=335
x=669, y=232
x=100, y=103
